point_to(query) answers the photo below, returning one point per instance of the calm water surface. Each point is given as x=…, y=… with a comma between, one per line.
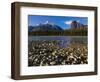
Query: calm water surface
x=65, y=40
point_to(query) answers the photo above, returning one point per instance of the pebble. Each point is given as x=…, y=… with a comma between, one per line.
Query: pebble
x=49, y=53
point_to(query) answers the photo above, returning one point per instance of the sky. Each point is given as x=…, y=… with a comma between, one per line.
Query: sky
x=62, y=21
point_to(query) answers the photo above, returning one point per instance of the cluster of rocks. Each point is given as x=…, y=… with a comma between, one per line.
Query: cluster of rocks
x=48, y=53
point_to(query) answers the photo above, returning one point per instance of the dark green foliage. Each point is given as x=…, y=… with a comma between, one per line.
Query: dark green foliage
x=68, y=32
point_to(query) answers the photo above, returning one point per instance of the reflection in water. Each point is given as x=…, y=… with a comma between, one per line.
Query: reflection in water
x=64, y=40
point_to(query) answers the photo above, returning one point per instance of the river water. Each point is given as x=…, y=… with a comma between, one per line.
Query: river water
x=65, y=40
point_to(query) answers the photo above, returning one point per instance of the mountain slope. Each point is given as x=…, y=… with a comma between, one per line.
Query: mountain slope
x=45, y=27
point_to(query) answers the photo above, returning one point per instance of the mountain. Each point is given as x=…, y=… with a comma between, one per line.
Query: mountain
x=45, y=27
x=30, y=28
x=77, y=25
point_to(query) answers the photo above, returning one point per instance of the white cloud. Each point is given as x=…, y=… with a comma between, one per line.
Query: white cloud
x=46, y=22
x=78, y=21
x=68, y=22
x=37, y=24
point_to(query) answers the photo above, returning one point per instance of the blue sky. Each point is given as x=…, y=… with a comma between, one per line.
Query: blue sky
x=62, y=21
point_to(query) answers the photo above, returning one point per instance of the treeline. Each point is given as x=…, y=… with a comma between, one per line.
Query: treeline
x=69, y=32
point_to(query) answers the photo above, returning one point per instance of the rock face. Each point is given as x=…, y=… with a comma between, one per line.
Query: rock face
x=45, y=27
x=77, y=25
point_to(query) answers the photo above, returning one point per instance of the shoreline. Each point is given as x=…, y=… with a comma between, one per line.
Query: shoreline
x=49, y=53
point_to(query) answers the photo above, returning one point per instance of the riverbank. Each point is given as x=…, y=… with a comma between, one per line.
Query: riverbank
x=49, y=53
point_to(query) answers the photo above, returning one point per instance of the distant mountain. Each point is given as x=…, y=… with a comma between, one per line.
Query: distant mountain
x=45, y=27
x=77, y=25
x=53, y=27
x=30, y=28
